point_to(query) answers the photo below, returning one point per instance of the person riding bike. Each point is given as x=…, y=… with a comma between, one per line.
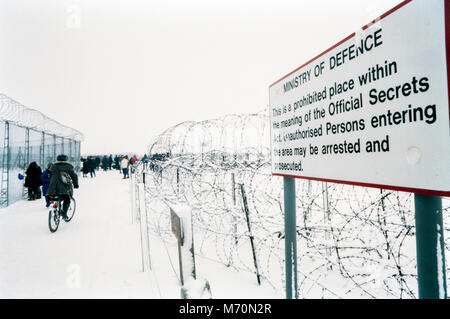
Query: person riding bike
x=63, y=180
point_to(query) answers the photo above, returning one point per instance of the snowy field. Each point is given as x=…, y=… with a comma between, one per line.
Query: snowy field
x=98, y=254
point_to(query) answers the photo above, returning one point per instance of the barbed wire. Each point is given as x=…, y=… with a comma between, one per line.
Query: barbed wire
x=17, y=113
x=352, y=242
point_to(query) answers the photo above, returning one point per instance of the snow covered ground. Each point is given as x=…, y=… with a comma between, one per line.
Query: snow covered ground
x=98, y=254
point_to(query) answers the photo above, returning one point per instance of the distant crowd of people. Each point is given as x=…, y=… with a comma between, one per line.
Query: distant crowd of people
x=122, y=163
x=50, y=179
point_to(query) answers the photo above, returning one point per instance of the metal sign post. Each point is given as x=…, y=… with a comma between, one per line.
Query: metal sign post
x=290, y=230
x=177, y=230
x=430, y=247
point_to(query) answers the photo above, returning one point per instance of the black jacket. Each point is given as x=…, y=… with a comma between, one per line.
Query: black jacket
x=33, y=179
x=57, y=187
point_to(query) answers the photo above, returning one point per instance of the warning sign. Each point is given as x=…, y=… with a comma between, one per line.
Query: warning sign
x=372, y=110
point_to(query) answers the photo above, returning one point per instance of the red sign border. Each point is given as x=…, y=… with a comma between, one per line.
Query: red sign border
x=390, y=187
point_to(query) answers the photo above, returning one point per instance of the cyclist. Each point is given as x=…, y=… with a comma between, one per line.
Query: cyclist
x=63, y=180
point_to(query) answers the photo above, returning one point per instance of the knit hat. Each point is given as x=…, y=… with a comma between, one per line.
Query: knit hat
x=61, y=158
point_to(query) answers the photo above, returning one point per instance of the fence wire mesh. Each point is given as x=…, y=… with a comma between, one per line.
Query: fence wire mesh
x=26, y=136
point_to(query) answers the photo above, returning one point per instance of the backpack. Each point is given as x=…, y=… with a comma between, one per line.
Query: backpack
x=65, y=178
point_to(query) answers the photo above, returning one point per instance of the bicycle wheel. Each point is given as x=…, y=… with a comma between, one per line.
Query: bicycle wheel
x=53, y=219
x=71, y=210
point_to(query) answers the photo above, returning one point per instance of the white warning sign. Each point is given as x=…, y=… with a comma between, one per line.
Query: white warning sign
x=372, y=110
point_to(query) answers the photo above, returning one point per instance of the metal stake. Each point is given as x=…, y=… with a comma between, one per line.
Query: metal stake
x=430, y=247
x=290, y=229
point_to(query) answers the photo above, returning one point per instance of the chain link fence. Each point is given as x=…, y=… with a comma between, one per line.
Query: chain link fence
x=26, y=136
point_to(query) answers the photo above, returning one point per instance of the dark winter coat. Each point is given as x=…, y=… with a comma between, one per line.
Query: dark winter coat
x=57, y=187
x=104, y=161
x=33, y=179
x=92, y=164
x=85, y=167
x=45, y=179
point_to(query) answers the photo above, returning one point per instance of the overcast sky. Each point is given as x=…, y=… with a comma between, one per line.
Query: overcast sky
x=123, y=71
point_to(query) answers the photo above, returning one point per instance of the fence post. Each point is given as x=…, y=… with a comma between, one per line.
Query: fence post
x=382, y=199
x=326, y=206
x=290, y=229
x=145, y=241
x=308, y=209
x=247, y=213
x=182, y=229
x=42, y=151
x=326, y=217
x=430, y=247
x=27, y=146
x=233, y=192
x=177, y=230
x=54, y=148
x=178, y=180
x=26, y=160
x=144, y=202
x=133, y=199
x=4, y=193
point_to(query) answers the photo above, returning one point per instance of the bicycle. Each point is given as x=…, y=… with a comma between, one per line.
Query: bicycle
x=56, y=212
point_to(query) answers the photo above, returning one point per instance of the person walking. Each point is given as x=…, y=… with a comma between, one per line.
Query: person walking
x=145, y=161
x=85, y=168
x=45, y=179
x=105, y=163
x=97, y=163
x=117, y=163
x=124, y=164
x=33, y=180
x=62, y=181
x=110, y=161
x=91, y=163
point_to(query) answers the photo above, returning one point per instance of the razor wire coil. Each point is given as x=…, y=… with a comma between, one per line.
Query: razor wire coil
x=353, y=242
